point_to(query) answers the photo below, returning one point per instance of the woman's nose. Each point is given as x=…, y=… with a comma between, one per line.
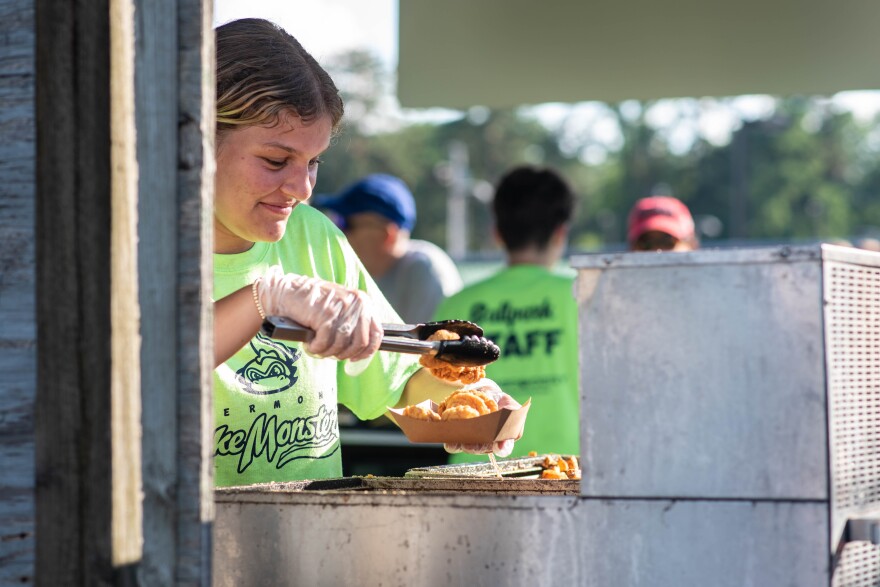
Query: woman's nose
x=297, y=184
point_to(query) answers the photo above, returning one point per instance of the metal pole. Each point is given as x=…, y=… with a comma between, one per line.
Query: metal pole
x=456, y=205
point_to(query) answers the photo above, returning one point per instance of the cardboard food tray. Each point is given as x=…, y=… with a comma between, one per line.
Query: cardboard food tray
x=499, y=425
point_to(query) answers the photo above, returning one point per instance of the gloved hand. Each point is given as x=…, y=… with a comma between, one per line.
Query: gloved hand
x=343, y=319
x=501, y=448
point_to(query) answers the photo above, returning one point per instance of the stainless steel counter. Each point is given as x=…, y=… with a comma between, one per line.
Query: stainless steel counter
x=372, y=538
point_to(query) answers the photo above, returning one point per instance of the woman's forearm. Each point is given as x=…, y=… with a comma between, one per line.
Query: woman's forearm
x=236, y=321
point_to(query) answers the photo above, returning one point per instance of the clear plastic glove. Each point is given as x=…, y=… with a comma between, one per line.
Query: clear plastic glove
x=501, y=448
x=343, y=319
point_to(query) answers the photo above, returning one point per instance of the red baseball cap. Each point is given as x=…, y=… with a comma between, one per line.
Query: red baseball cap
x=663, y=214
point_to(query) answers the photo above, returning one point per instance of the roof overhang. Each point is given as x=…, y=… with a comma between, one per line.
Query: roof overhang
x=500, y=53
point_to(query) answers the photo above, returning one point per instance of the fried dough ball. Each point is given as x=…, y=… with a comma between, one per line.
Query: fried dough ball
x=447, y=371
x=421, y=413
x=460, y=412
x=458, y=405
x=479, y=400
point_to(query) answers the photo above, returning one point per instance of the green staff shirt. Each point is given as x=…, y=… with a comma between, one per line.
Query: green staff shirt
x=530, y=312
x=275, y=407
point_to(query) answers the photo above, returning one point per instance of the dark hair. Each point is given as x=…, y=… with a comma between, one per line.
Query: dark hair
x=263, y=71
x=530, y=203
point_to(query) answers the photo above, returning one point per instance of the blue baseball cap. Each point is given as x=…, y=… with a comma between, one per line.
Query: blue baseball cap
x=380, y=193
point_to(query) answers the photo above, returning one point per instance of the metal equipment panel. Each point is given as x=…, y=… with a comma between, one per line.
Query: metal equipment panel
x=703, y=374
x=442, y=540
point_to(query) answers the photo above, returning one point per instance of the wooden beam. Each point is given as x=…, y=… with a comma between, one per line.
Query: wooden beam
x=18, y=349
x=125, y=365
x=175, y=128
x=72, y=412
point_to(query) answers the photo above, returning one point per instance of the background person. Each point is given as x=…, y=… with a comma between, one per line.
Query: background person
x=661, y=223
x=378, y=214
x=275, y=405
x=869, y=244
x=528, y=308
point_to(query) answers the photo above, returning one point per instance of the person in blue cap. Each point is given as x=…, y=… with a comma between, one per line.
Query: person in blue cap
x=377, y=213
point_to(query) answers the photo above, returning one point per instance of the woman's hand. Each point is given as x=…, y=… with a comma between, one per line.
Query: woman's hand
x=343, y=319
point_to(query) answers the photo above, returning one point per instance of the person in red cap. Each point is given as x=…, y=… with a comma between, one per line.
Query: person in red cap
x=661, y=223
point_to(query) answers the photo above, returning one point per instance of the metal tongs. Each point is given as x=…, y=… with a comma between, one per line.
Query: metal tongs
x=471, y=350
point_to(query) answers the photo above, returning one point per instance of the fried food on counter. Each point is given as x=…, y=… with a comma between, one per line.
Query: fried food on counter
x=458, y=405
x=446, y=371
x=553, y=473
x=558, y=467
x=421, y=413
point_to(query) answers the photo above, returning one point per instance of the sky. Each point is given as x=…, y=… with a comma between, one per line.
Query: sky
x=327, y=27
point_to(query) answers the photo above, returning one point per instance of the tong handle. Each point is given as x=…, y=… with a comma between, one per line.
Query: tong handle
x=286, y=329
x=470, y=351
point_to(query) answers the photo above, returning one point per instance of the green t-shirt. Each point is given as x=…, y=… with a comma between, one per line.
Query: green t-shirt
x=532, y=315
x=275, y=407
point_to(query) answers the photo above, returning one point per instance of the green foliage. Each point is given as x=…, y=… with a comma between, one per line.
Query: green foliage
x=805, y=172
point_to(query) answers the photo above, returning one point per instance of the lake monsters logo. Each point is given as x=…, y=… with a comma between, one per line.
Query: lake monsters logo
x=271, y=370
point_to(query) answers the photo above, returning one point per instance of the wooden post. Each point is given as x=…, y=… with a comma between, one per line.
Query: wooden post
x=124, y=159
x=72, y=411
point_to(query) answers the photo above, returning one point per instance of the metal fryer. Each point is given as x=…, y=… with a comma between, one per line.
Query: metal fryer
x=719, y=379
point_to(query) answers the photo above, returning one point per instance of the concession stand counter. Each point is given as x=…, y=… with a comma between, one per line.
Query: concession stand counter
x=730, y=415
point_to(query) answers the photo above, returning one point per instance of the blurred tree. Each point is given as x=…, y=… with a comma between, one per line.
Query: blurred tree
x=804, y=171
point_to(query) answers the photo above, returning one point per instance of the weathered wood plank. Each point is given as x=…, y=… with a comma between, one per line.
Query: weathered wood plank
x=195, y=327
x=17, y=286
x=17, y=379
x=156, y=107
x=125, y=374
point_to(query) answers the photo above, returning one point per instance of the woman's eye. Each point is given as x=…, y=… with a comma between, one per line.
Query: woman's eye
x=315, y=162
x=274, y=162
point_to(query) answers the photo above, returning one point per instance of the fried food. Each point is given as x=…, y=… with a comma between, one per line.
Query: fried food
x=479, y=400
x=458, y=405
x=447, y=371
x=557, y=467
x=444, y=335
x=553, y=474
x=421, y=413
x=461, y=412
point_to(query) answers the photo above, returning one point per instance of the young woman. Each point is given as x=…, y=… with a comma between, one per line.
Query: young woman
x=275, y=404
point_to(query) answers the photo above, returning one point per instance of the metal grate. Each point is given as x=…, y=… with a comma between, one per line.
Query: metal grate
x=853, y=347
x=858, y=566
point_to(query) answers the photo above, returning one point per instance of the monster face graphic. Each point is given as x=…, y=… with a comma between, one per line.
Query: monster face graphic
x=271, y=370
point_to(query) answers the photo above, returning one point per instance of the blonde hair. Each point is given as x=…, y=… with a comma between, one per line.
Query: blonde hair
x=262, y=72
